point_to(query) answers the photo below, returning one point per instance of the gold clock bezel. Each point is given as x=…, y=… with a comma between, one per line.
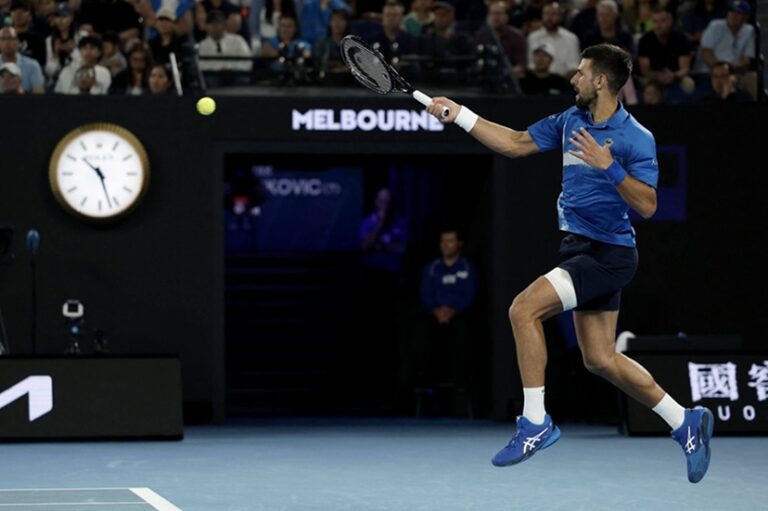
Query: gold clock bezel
x=126, y=135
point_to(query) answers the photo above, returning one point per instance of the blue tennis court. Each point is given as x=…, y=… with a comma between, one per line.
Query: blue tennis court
x=380, y=464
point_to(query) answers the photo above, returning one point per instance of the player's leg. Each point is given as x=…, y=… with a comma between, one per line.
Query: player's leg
x=535, y=429
x=529, y=309
x=596, y=333
x=692, y=428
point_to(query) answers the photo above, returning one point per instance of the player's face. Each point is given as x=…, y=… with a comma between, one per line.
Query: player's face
x=584, y=84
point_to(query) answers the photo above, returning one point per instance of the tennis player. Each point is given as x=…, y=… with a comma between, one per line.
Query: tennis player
x=609, y=166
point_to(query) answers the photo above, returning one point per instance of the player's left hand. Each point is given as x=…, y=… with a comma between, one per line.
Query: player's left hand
x=589, y=151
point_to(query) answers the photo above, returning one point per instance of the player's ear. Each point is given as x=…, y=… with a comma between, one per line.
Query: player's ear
x=602, y=81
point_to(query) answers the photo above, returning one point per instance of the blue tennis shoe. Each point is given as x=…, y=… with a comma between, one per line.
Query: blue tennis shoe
x=693, y=436
x=528, y=439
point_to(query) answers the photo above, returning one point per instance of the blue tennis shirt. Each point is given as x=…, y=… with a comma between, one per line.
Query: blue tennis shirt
x=589, y=204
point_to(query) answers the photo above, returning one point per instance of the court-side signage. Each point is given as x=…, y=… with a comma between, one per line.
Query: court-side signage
x=330, y=119
x=95, y=397
x=40, y=390
x=733, y=385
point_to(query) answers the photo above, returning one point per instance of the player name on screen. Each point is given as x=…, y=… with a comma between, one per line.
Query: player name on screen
x=329, y=119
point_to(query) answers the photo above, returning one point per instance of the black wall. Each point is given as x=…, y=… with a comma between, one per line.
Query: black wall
x=154, y=281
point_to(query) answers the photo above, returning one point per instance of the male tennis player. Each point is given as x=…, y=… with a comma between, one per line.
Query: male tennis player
x=609, y=166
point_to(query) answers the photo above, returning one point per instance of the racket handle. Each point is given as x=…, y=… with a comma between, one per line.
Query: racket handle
x=427, y=101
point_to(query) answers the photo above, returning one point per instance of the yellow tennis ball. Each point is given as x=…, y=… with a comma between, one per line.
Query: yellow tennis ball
x=206, y=105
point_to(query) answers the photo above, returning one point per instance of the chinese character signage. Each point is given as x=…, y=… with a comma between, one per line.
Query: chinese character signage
x=734, y=386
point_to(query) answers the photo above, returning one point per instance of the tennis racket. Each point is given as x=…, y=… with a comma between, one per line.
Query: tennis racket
x=370, y=68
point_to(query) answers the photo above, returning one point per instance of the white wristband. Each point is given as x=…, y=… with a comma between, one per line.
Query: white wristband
x=466, y=119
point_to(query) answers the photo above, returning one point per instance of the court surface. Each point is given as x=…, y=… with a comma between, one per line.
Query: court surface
x=383, y=464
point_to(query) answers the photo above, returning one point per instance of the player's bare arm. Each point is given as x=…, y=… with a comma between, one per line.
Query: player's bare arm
x=638, y=195
x=494, y=136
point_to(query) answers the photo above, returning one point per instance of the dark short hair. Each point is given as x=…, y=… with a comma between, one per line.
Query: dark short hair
x=614, y=62
x=215, y=16
x=90, y=40
x=21, y=4
x=722, y=63
x=452, y=229
x=110, y=37
x=393, y=3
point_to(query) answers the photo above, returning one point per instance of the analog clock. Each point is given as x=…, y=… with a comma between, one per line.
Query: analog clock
x=99, y=172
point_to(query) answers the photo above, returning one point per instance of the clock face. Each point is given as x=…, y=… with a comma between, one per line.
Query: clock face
x=99, y=171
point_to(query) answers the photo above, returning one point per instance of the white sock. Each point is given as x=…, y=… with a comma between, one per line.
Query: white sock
x=669, y=410
x=533, y=404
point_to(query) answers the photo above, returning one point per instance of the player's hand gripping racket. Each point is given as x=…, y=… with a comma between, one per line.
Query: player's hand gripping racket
x=371, y=69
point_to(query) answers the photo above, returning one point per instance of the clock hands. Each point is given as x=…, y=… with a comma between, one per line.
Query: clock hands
x=101, y=176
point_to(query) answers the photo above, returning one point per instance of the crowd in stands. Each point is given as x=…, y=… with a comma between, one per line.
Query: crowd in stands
x=685, y=51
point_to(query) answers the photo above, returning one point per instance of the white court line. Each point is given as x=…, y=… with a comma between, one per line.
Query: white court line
x=32, y=504
x=61, y=489
x=154, y=499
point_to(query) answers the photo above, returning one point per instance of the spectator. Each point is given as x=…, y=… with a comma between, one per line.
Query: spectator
x=10, y=79
x=731, y=40
x=134, y=80
x=121, y=16
x=113, y=58
x=234, y=18
x=286, y=40
x=383, y=235
x=564, y=43
x=664, y=55
x=511, y=39
x=441, y=40
x=31, y=44
x=392, y=41
x=221, y=43
x=527, y=16
x=43, y=10
x=328, y=54
x=698, y=17
x=538, y=81
x=263, y=19
x=160, y=80
x=637, y=16
x=184, y=25
x=420, y=16
x=448, y=289
x=31, y=74
x=609, y=29
x=75, y=77
x=584, y=23
x=315, y=17
x=166, y=41
x=368, y=9
x=724, y=87
x=61, y=45
x=653, y=93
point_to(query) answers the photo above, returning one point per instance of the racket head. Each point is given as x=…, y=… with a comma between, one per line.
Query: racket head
x=370, y=67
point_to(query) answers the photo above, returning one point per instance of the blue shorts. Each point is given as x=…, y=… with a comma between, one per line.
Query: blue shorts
x=597, y=270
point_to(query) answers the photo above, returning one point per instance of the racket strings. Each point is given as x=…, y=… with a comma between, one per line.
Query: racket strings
x=366, y=66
